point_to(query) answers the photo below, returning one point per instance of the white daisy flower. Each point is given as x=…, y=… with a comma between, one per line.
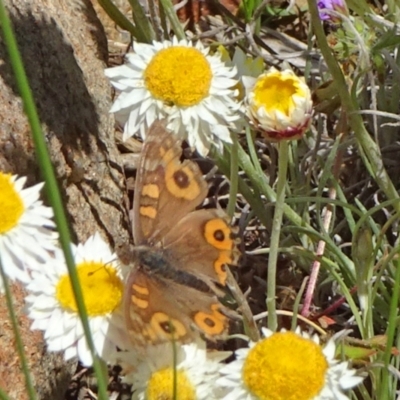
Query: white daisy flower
x=26, y=235
x=52, y=307
x=278, y=103
x=181, y=82
x=153, y=372
x=287, y=365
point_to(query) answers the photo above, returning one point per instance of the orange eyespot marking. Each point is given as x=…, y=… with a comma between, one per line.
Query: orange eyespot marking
x=180, y=182
x=220, y=265
x=165, y=326
x=148, y=211
x=140, y=289
x=218, y=233
x=213, y=323
x=139, y=302
x=151, y=190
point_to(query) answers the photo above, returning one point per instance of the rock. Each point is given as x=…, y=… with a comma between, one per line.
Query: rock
x=64, y=49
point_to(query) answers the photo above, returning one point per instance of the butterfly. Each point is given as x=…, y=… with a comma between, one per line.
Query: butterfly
x=181, y=254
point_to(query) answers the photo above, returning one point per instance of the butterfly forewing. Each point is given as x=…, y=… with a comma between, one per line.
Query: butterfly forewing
x=166, y=189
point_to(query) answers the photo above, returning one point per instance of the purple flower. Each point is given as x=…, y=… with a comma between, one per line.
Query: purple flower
x=335, y=5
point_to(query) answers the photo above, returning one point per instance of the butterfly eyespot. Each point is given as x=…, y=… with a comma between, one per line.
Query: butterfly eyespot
x=181, y=179
x=220, y=266
x=209, y=321
x=213, y=323
x=165, y=326
x=181, y=182
x=218, y=233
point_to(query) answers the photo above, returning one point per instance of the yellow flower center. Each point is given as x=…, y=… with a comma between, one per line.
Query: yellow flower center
x=275, y=91
x=285, y=366
x=101, y=287
x=11, y=205
x=161, y=386
x=179, y=76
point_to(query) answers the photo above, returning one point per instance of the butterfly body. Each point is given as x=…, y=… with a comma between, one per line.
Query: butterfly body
x=156, y=263
x=181, y=254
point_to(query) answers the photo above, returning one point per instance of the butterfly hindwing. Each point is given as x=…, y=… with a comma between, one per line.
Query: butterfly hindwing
x=160, y=310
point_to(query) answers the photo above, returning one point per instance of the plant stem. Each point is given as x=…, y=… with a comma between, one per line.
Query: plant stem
x=390, y=333
x=234, y=176
x=283, y=151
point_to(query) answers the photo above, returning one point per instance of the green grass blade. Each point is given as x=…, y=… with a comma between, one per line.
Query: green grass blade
x=18, y=341
x=144, y=30
x=169, y=11
x=3, y=396
x=116, y=15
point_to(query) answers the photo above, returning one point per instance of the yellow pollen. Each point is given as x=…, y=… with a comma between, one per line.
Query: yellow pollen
x=11, y=204
x=285, y=366
x=179, y=76
x=275, y=92
x=161, y=386
x=102, y=289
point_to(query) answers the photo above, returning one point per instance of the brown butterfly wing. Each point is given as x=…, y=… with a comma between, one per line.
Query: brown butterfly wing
x=166, y=188
x=161, y=310
x=203, y=243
